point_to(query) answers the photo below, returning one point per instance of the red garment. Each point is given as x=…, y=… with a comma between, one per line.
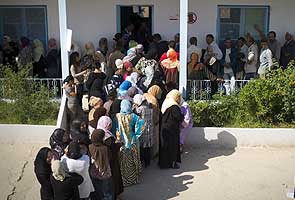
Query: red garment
x=164, y=56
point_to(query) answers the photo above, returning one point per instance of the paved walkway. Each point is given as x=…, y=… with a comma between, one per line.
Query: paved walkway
x=206, y=173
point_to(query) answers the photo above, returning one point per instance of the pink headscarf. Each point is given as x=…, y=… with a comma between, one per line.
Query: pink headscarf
x=104, y=123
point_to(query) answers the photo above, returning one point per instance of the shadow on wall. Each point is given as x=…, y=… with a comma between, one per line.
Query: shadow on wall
x=165, y=184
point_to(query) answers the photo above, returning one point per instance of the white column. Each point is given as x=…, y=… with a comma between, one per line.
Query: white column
x=62, y=12
x=183, y=46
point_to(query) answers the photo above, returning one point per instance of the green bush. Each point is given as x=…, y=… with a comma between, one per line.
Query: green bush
x=261, y=103
x=26, y=102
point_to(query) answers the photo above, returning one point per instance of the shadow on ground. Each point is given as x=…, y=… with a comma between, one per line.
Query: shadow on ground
x=160, y=184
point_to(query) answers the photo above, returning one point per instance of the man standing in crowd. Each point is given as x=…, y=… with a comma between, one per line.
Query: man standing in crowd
x=193, y=48
x=228, y=63
x=273, y=44
x=252, y=57
x=287, y=51
x=216, y=50
x=241, y=58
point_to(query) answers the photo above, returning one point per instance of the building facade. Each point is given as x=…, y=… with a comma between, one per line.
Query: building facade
x=92, y=19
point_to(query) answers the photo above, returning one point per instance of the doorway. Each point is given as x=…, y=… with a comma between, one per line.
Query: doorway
x=137, y=15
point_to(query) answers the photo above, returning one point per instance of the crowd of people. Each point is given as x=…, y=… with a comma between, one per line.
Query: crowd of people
x=124, y=109
x=45, y=64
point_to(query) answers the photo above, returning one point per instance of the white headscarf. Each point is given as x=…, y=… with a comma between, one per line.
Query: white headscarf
x=172, y=98
x=138, y=99
x=38, y=50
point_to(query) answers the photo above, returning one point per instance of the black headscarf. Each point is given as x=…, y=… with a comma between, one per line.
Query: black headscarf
x=74, y=151
x=42, y=167
x=56, y=139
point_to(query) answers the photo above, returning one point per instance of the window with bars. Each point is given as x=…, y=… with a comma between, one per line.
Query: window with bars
x=28, y=21
x=236, y=21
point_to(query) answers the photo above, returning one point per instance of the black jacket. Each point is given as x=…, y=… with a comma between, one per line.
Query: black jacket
x=67, y=189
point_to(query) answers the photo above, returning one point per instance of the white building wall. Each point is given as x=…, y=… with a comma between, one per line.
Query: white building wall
x=92, y=19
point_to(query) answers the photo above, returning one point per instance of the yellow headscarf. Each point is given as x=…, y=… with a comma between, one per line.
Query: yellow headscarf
x=152, y=94
x=172, y=98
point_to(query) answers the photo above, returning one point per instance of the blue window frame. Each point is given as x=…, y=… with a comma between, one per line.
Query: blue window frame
x=28, y=21
x=235, y=21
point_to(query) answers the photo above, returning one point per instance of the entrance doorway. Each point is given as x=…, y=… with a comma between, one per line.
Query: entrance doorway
x=140, y=16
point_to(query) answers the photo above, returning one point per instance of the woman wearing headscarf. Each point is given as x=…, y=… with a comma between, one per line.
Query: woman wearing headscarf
x=105, y=123
x=38, y=59
x=95, y=113
x=78, y=163
x=73, y=107
x=171, y=67
x=187, y=123
x=42, y=169
x=65, y=185
x=129, y=127
x=130, y=94
x=59, y=141
x=144, y=110
x=88, y=61
x=112, y=59
x=53, y=60
x=95, y=83
x=25, y=54
x=133, y=79
x=123, y=88
x=100, y=169
x=169, y=137
x=153, y=96
x=102, y=53
x=78, y=75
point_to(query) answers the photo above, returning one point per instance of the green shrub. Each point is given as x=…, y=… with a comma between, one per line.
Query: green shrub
x=26, y=102
x=261, y=103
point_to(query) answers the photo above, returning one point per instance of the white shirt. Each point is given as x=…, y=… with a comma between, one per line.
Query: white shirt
x=252, y=67
x=81, y=167
x=265, y=61
x=227, y=61
x=216, y=50
x=194, y=49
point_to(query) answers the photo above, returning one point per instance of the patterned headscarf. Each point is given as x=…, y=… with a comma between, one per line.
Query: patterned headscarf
x=126, y=107
x=149, y=72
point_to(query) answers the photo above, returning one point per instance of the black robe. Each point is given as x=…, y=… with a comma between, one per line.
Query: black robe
x=115, y=165
x=68, y=188
x=169, y=137
x=42, y=170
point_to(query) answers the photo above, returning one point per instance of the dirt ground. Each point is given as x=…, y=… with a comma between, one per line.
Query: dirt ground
x=205, y=173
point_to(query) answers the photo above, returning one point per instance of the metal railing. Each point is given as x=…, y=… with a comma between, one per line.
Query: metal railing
x=54, y=86
x=205, y=89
